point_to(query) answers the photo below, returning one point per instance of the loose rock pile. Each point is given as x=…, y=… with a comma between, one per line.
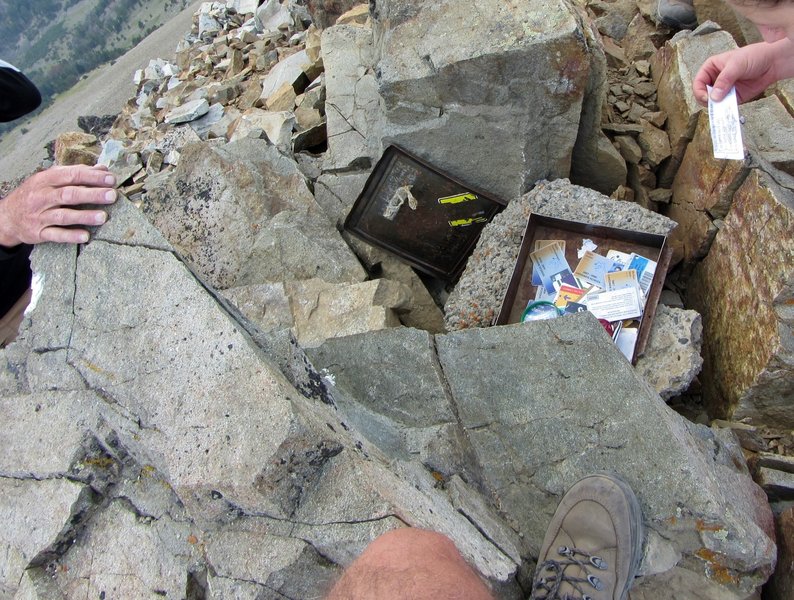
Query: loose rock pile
x=236, y=400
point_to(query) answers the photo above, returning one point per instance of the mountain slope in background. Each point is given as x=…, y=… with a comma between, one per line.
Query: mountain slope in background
x=104, y=91
x=55, y=42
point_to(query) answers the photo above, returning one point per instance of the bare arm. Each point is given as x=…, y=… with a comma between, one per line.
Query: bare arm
x=751, y=69
x=48, y=204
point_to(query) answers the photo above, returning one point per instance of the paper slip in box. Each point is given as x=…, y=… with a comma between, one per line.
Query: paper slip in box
x=420, y=214
x=622, y=242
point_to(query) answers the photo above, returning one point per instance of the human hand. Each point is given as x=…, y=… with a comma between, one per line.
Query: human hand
x=751, y=69
x=44, y=207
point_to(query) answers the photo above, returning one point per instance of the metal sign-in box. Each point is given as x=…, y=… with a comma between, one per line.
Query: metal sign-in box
x=422, y=215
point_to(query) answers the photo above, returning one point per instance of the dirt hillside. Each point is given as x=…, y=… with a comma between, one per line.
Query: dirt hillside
x=104, y=91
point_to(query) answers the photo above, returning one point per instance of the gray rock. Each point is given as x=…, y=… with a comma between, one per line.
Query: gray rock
x=122, y=163
x=321, y=311
x=424, y=313
x=337, y=193
x=133, y=556
x=479, y=294
x=569, y=404
x=671, y=359
x=243, y=7
x=272, y=15
x=44, y=433
x=190, y=111
x=267, y=304
x=220, y=431
x=511, y=88
x=272, y=227
x=127, y=227
x=205, y=124
x=603, y=169
x=355, y=364
x=352, y=104
x=53, y=286
x=208, y=24
x=31, y=531
x=289, y=70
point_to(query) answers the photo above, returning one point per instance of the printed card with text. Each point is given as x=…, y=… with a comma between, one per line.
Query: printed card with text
x=593, y=267
x=538, y=245
x=567, y=293
x=550, y=263
x=645, y=268
x=624, y=258
x=615, y=306
x=621, y=280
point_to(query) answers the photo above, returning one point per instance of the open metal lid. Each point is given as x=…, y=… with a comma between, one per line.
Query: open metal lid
x=423, y=216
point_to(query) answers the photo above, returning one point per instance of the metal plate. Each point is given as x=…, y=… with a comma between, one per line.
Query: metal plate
x=420, y=214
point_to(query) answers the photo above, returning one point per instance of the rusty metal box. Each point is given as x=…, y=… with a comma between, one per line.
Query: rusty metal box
x=422, y=215
x=520, y=290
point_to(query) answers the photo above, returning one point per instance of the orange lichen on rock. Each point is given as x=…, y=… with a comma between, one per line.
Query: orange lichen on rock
x=715, y=569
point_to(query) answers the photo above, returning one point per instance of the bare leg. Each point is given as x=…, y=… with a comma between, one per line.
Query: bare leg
x=410, y=564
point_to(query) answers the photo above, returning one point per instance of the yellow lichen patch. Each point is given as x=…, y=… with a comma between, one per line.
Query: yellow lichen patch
x=701, y=525
x=716, y=570
x=103, y=462
x=97, y=369
x=192, y=540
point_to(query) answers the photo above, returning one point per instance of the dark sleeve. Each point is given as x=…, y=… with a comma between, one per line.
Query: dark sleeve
x=18, y=94
x=14, y=275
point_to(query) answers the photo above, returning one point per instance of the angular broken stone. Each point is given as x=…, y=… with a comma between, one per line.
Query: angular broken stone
x=190, y=111
x=703, y=190
x=671, y=359
x=321, y=310
x=654, y=143
x=746, y=371
x=277, y=126
x=288, y=70
x=76, y=148
x=591, y=412
x=509, y=89
x=352, y=99
x=271, y=228
x=232, y=439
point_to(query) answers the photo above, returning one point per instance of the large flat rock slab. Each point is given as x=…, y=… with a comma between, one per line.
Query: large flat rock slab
x=494, y=98
x=749, y=362
x=545, y=403
x=184, y=435
x=242, y=214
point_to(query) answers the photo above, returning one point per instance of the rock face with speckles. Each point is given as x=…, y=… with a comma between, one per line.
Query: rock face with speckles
x=745, y=295
x=491, y=92
x=242, y=214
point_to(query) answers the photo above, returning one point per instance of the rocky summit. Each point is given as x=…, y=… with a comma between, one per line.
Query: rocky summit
x=224, y=394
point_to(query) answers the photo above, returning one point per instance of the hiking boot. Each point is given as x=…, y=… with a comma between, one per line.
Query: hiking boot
x=593, y=547
x=679, y=14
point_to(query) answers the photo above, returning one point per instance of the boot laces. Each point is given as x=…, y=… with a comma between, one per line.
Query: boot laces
x=552, y=574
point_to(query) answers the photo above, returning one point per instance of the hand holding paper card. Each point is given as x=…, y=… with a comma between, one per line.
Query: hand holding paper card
x=726, y=130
